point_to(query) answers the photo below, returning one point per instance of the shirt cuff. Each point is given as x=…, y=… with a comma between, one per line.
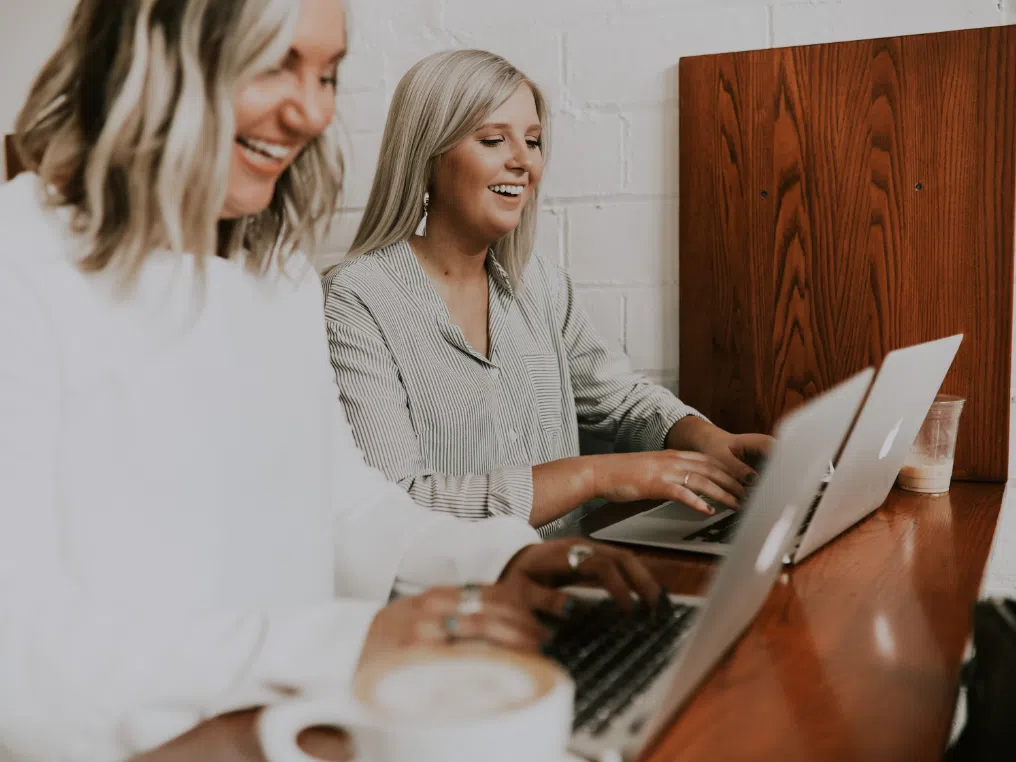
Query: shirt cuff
x=653, y=436
x=454, y=552
x=317, y=646
x=510, y=492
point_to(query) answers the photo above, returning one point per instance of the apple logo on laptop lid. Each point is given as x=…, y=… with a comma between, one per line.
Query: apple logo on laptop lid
x=776, y=541
x=887, y=446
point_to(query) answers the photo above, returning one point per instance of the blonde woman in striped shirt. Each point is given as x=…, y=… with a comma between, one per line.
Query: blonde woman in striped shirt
x=464, y=363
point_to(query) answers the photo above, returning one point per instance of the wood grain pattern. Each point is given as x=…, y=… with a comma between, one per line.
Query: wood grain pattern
x=12, y=162
x=855, y=655
x=840, y=201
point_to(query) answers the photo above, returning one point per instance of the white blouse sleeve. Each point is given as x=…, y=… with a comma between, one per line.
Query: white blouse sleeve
x=84, y=678
x=81, y=678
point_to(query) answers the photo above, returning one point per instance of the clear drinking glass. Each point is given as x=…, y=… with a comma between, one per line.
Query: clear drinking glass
x=929, y=465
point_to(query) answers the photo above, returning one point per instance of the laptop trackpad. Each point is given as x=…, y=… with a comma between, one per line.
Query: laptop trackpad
x=674, y=511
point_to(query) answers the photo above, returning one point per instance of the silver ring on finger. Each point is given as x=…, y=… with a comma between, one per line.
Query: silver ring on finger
x=577, y=554
x=687, y=476
x=452, y=627
x=470, y=600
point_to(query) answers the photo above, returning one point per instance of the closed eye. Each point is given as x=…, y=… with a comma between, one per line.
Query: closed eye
x=534, y=143
x=492, y=141
x=330, y=77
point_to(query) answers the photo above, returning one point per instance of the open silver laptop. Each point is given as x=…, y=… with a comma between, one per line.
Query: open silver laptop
x=880, y=439
x=628, y=692
x=864, y=472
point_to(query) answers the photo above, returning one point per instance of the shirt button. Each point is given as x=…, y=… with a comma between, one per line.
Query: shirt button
x=513, y=435
x=495, y=373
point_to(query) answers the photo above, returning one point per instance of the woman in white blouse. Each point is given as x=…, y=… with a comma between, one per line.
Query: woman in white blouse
x=465, y=365
x=186, y=525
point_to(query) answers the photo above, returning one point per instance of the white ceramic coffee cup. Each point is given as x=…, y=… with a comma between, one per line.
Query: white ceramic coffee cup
x=460, y=703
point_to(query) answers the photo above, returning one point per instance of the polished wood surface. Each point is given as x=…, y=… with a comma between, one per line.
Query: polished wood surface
x=855, y=655
x=12, y=161
x=839, y=201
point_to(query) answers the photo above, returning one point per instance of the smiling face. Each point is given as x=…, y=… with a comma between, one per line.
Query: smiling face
x=481, y=186
x=278, y=112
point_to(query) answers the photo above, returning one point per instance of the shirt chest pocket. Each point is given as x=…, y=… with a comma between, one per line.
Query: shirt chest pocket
x=544, y=376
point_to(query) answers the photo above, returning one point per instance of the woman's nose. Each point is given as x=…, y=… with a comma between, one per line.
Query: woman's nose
x=519, y=160
x=310, y=110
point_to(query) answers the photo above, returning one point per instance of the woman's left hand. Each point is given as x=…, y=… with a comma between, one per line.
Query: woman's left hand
x=735, y=452
x=535, y=570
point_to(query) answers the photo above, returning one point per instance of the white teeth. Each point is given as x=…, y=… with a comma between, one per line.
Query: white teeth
x=277, y=152
x=512, y=190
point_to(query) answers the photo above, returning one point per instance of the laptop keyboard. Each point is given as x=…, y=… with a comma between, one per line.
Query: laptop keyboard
x=719, y=531
x=723, y=531
x=613, y=657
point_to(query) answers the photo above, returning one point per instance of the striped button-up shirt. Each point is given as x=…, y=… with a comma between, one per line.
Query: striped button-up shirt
x=460, y=431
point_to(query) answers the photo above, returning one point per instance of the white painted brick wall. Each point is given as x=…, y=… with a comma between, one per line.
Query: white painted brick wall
x=605, y=308
x=609, y=69
x=589, y=144
x=28, y=33
x=629, y=241
x=630, y=57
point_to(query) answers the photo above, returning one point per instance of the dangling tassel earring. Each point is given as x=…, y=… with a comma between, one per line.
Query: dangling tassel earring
x=421, y=229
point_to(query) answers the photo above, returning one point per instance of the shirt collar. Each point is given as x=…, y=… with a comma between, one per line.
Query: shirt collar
x=403, y=267
x=404, y=264
x=498, y=274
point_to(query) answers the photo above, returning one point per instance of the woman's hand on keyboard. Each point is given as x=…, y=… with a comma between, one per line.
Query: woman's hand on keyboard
x=738, y=454
x=422, y=620
x=536, y=570
x=665, y=475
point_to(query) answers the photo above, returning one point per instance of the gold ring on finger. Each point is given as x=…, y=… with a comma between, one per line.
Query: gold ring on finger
x=470, y=600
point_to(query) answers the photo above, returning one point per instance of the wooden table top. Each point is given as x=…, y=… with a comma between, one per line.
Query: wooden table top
x=855, y=655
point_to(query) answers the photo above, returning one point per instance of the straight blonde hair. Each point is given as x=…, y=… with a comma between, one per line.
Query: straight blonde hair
x=438, y=104
x=131, y=124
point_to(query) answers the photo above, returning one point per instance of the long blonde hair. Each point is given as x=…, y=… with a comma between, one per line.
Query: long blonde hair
x=131, y=124
x=437, y=104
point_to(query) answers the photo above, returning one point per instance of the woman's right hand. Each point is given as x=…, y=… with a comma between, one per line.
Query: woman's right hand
x=423, y=620
x=665, y=475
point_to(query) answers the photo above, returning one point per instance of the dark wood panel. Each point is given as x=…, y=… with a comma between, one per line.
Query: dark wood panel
x=855, y=655
x=958, y=228
x=821, y=111
x=720, y=118
x=840, y=201
x=12, y=161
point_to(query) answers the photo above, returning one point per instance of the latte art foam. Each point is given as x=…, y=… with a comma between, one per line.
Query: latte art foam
x=456, y=683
